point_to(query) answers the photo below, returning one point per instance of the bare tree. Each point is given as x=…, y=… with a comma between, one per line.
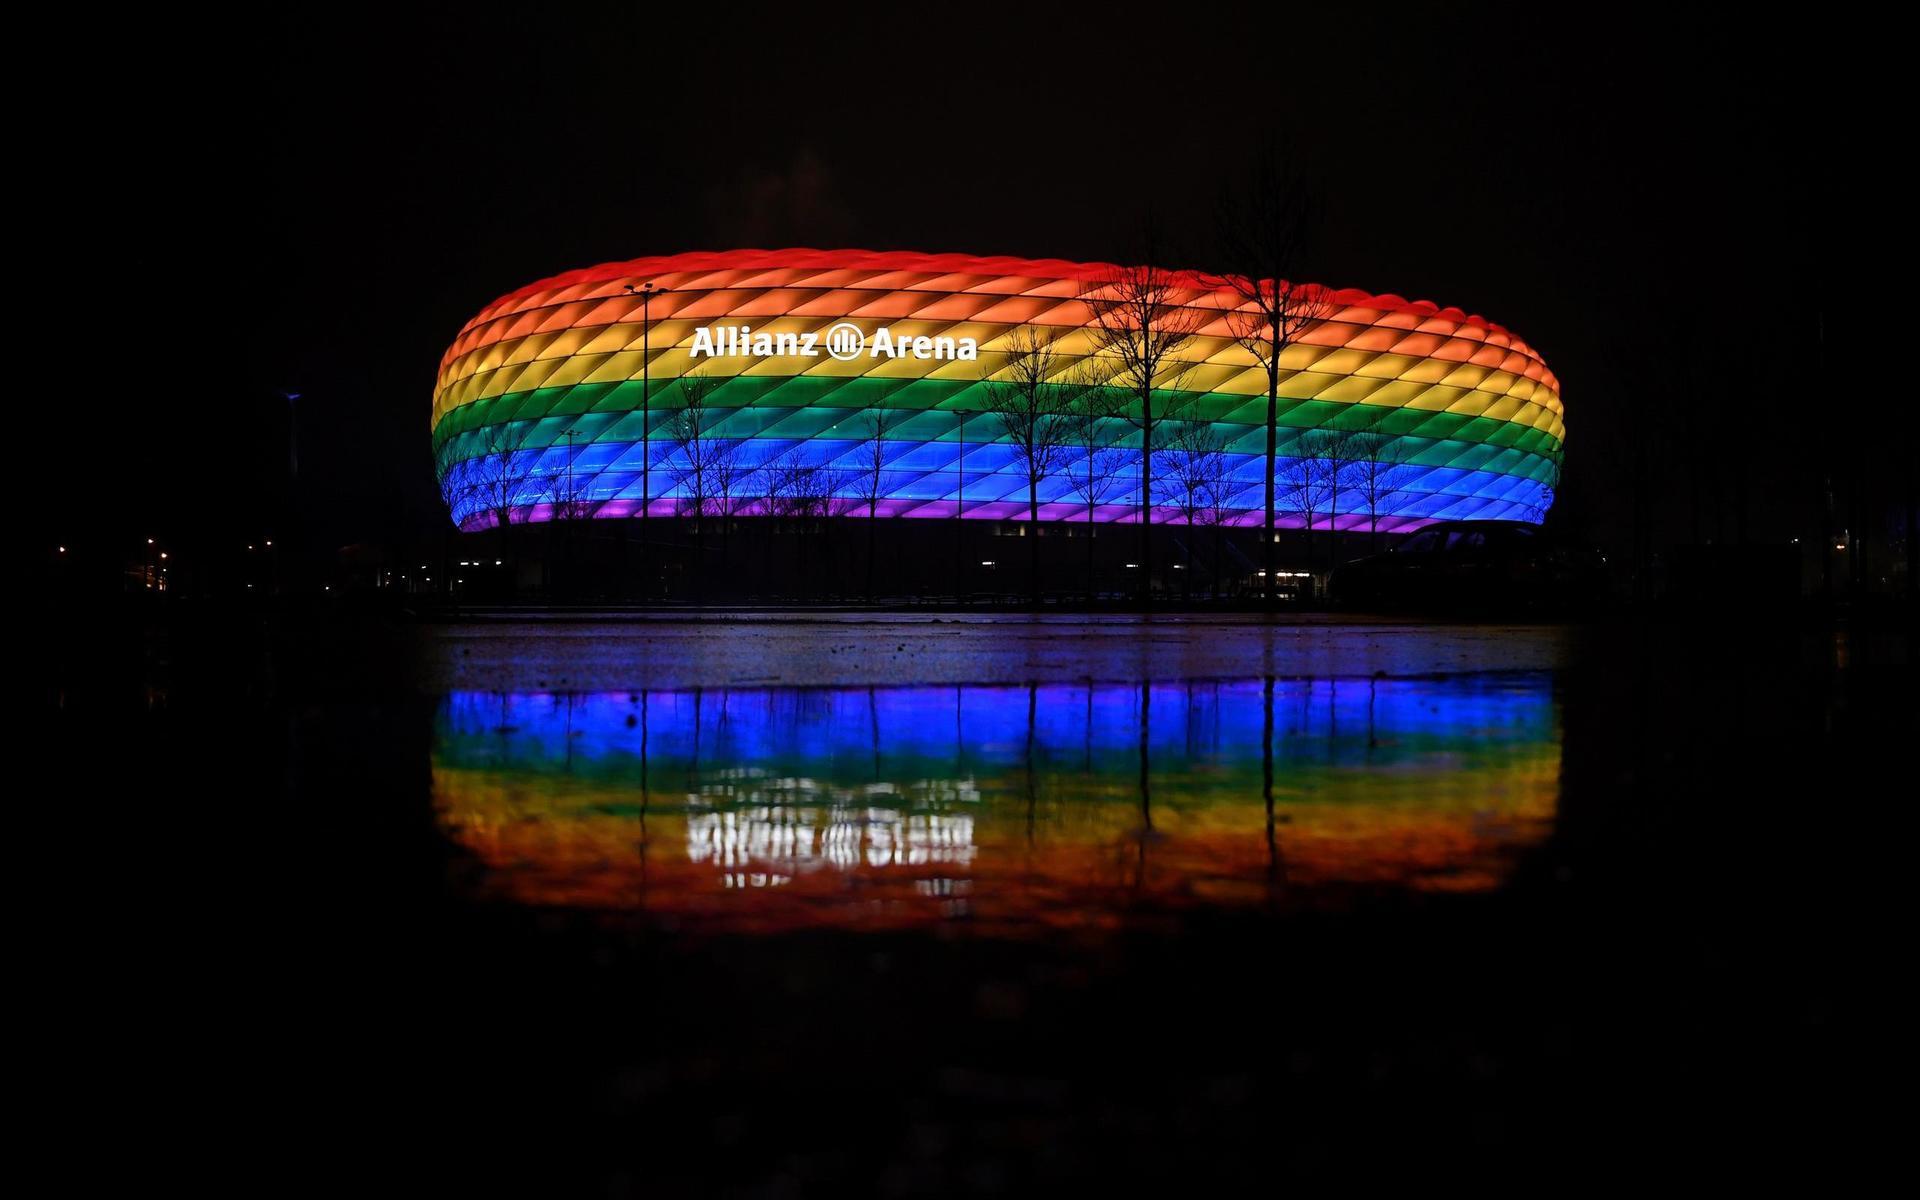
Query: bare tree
x=794, y=486
x=692, y=447
x=869, y=478
x=1190, y=463
x=495, y=479
x=735, y=484
x=456, y=483
x=1140, y=323
x=1323, y=469
x=789, y=486
x=566, y=490
x=1379, y=471
x=1220, y=498
x=1031, y=400
x=1303, y=482
x=833, y=492
x=1341, y=449
x=691, y=442
x=1544, y=492
x=802, y=493
x=569, y=502
x=1096, y=425
x=1265, y=226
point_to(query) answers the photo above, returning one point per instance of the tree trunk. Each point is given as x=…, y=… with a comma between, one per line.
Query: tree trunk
x=873, y=507
x=506, y=556
x=700, y=557
x=766, y=555
x=1186, y=585
x=1273, y=466
x=1333, y=515
x=1033, y=549
x=1146, y=494
x=1090, y=596
x=1217, y=535
x=620, y=582
x=1306, y=540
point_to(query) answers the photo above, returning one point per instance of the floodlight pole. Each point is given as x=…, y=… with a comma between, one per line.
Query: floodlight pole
x=646, y=291
x=959, y=514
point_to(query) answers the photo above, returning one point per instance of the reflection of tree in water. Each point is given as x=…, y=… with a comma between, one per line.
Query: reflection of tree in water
x=1146, y=788
x=1033, y=787
x=1275, y=872
x=644, y=840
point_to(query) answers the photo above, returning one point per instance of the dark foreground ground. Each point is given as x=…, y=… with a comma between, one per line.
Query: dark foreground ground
x=265, y=963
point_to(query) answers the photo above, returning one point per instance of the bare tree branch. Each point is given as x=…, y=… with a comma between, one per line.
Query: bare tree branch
x=1141, y=322
x=1031, y=399
x=1379, y=471
x=1096, y=426
x=869, y=478
x=692, y=444
x=1264, y=228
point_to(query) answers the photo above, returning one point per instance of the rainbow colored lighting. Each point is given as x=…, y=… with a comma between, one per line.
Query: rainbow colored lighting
x=546, y=384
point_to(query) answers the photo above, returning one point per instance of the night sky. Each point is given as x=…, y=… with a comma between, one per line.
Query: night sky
x=316, y=204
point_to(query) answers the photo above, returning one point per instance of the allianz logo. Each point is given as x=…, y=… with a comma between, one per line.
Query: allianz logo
x=845, y=342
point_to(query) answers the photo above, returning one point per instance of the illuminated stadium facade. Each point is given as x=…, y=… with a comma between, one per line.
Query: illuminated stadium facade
x=866, y=380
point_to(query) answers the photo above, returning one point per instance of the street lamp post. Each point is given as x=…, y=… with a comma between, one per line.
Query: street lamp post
x=959, y=513
x=646, y=291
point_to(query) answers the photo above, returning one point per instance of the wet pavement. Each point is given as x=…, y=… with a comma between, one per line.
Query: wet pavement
x=827, y=650
x=774, y=905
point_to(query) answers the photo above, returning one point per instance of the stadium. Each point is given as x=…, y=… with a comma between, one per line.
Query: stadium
x=862, y=384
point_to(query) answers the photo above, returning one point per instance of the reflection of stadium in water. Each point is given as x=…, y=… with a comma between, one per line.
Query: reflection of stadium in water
x=1056, y=804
